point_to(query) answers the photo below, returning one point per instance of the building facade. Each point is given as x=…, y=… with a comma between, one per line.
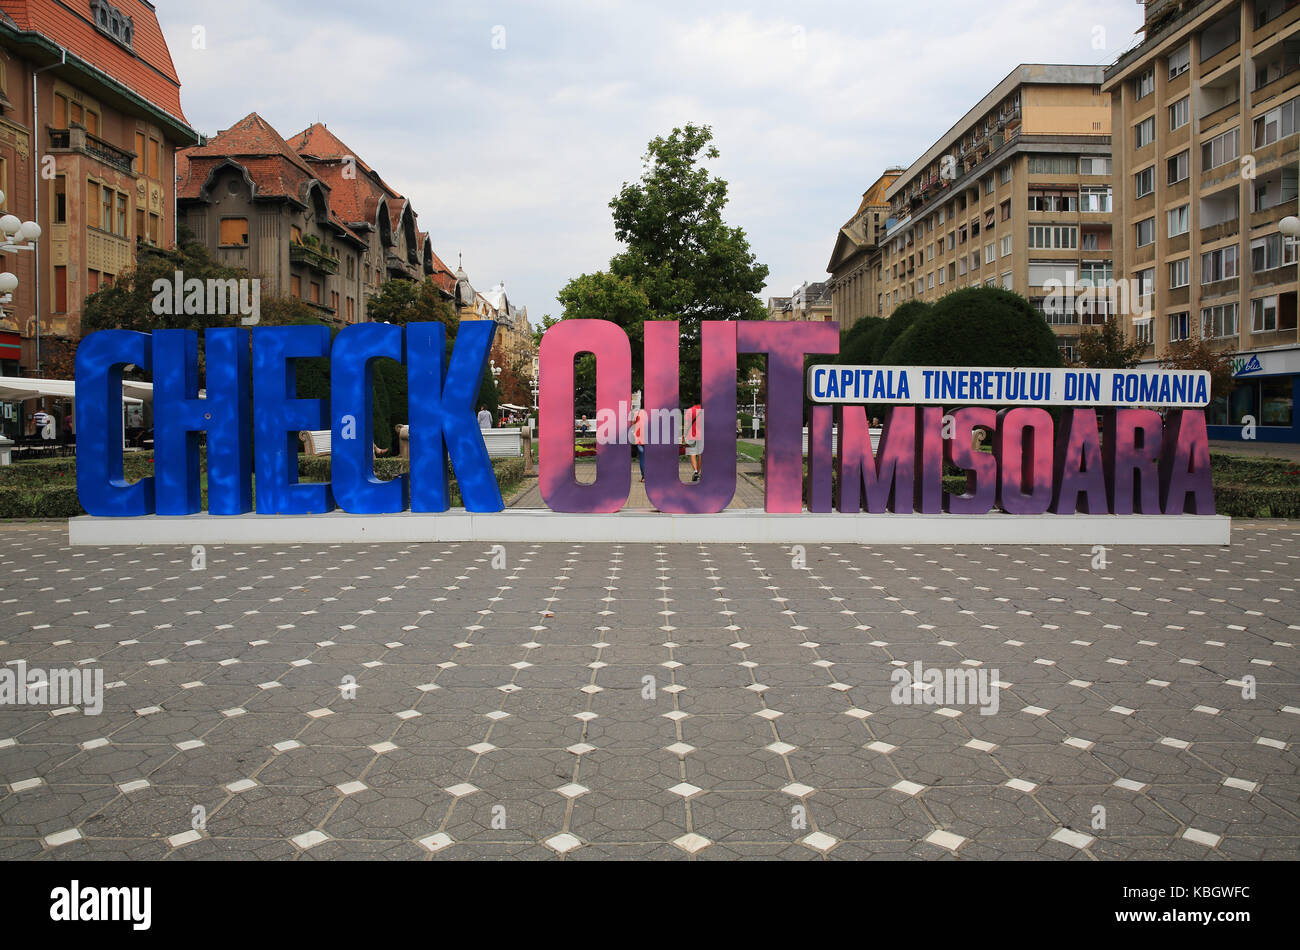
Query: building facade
x=855, y=266
x=1016, y=195
x=254, y=203
x=808, y=301
x=1206, y=156
x=90, y=120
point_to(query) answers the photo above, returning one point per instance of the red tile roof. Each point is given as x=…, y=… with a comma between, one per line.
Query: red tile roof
x=147, y=71
x=356, y=198
x=276, y=169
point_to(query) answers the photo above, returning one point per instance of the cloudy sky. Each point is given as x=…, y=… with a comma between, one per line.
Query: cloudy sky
x=511, y=125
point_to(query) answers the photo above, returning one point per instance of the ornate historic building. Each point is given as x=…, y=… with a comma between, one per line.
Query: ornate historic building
x=88, y=86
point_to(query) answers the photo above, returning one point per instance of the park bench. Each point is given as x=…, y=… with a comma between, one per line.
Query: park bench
x=317, y=442
x=505, y=443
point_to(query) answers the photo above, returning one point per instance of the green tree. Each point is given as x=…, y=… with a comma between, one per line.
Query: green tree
x=857, y=342
x=1107, y=348
x=977, y=326
x=680, y=254
x=1198, y=355
x=602, y=296
x=899, y=322
x=129, y=303
x=402, y=301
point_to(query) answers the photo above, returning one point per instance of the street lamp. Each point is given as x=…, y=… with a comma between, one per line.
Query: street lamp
x=17, y=235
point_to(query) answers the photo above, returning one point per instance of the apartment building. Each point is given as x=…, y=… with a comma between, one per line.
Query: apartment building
x=855, y=260
x=809, y=301
x=90, y=120
x=1017, y=194
x=1205, y=111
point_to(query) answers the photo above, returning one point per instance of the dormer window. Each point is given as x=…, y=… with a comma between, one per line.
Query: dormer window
x=112, y=22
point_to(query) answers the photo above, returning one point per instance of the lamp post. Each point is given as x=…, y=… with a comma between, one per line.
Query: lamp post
x=17, y=235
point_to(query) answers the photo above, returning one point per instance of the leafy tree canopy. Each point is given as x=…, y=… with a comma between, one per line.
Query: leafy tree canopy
x=977, y=326
x=1106, y=347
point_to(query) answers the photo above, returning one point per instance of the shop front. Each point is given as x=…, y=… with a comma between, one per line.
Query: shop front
x=1262, y=403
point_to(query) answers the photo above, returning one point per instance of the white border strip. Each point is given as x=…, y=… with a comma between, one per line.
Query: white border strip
x=734, y=526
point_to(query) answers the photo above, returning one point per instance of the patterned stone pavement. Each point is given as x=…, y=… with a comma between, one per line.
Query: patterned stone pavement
x=681, y=702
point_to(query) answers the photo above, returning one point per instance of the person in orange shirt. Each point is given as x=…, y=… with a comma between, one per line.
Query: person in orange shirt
x=694, y=434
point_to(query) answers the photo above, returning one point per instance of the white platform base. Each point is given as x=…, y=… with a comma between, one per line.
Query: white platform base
x=738, y=525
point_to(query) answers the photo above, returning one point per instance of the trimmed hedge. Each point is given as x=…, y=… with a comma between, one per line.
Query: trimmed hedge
x=26, y=490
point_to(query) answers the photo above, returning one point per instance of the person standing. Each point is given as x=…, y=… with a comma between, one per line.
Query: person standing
x=694, y=439
x=43, y=425
x=484, y=417
x=638, y=438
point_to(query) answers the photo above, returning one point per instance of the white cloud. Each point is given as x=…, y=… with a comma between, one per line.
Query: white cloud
x=512, y=155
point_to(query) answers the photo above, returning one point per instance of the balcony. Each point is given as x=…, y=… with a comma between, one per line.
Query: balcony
x=77, y=139
x=313, y=257
x=1275, y=14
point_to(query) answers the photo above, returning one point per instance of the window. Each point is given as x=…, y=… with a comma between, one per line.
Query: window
x=1180, y=60
x=1146, y=282
x=155, y=229
x=68, y=110
x=1219, y=265
x=1145, y=84
x=1096, y=272
x=1179, y=327
x=1180, y=113
x=1095, y=199
x=1065, y=272
x=120, y=230
x=92, y=204
x=1054, y=165
x=988, y=185
x=295, y=285
x=295, y=234
x=1179, y=220
x=1007, y=282
x=154, y=159
x=1053, y=199
x=1274, y=190
x=990, y=253
x=234, y=232
x=941, y=276
x=1004, y=174
x=59, y=213
x=141, y=149
x=1145, y=231
x=1144, y=182
x=1179, y=166
x=1092, y=165
x=352, y=311
x=1263, y=315
x=1144, y=133
x=1053, y=237
x=106, y=216
x=1270, y=252
x=1276, y=123
x=1178, y=273
x=1006, y=210
x=930, y=280
x=1221, y=149
x=1006, y=246
x=1219, y=321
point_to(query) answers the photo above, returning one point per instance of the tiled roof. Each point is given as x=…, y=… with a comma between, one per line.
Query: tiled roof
x=146, y=70
x=357, y=197
x=274, y=167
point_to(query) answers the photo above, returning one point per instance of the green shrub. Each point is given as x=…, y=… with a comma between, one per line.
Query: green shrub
x=976, y=326
x=1254, y=470
x=1257, y=501
x=58, y=502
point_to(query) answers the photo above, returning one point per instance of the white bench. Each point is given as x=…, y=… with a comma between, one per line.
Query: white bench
x=501, y=443
x=835, y=440
x=317, y=442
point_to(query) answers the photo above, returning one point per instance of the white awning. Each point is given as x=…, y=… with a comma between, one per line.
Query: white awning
x=18, y=388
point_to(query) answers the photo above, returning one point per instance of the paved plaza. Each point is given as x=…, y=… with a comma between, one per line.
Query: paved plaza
x=679, y=702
